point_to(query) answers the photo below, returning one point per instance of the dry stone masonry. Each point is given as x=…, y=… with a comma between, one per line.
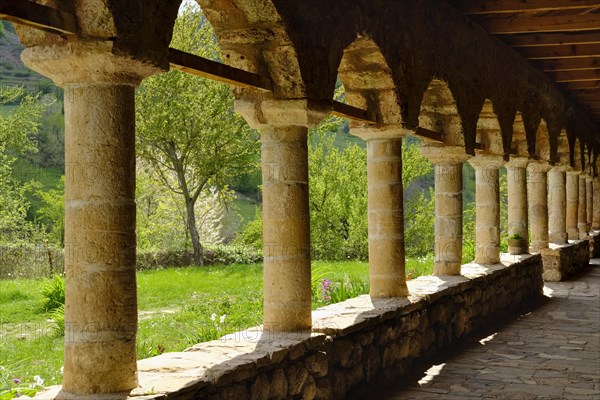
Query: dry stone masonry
x=458, y=93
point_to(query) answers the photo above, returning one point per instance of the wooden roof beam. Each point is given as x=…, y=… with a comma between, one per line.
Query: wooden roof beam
x=515, y=6
x=37, y=16
x=555, y=23
x=194, y=65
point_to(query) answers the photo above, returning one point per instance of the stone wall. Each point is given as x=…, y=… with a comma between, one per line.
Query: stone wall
x=594, y=244
x=353, y=343
x=562, y=261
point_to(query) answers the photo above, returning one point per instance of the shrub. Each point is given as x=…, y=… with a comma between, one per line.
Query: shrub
x=53, y=293
x=58, y=317
x=330, y=292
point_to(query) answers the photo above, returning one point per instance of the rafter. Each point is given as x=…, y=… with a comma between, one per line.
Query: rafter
x=38, y=16
x=194, y=65
x=554, y=23
x=515, y=6
x=550, y=39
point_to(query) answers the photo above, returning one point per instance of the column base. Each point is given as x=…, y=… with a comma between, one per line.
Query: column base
x=559, y=238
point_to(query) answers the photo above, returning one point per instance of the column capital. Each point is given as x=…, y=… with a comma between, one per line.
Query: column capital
x=263, y=110
x=561, y=168
x=439, y=154
x=538, y=167
x=95, y=62
x=486, y=161
x=517, y=162
x=366, y=132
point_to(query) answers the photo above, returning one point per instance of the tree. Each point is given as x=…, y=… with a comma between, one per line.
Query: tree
x=18, y=136
x=19, y=126
x=187, y=129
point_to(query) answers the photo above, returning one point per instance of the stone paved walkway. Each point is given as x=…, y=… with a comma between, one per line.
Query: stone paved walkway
x=552, y=352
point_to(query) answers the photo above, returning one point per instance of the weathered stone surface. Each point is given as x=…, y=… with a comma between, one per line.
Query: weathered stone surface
x=279, y=385
x=365, y=339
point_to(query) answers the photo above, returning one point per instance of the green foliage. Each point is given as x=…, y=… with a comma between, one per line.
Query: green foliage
x=337, y=197
x=231, y=254
x=11, y=387
x=19, y=127
x=328, y=291
x=53, y=294
x=251, y=235
x=52, y=212
x=187, y=131
x=468, y=250
x=419, y=224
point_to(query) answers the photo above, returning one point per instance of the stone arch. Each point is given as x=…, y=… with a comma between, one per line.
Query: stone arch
x=489, y=132
x=253, y=37
x=439, y=113
x=138, y=28
x=542, y=143
x=368, y=81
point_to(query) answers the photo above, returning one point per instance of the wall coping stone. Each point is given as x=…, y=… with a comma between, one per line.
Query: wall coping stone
x=240, y=356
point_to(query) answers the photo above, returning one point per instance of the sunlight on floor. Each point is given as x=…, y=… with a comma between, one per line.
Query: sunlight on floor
x=487, y=339
x=431, y=373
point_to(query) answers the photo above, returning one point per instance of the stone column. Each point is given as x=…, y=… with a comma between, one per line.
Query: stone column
x=487, y=200
x=557, y=205
x=589, y=201
x=387, y=274
x=596, y=204
x=572, y=188
x=286, y=229
x=100, y=211
x=448, y=162
x=582, y=208
x=537, y=193
x=386, y=218
x=516, y=170
x=283, y=125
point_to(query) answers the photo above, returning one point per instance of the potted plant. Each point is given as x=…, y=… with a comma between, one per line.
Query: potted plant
x=516, y=244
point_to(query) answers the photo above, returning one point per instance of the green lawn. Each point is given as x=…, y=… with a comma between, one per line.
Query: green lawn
x=178, y=308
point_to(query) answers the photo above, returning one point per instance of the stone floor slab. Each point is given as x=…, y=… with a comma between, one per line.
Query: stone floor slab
x=551, y=352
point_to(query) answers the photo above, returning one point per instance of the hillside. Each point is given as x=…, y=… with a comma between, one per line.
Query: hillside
x=12, y=70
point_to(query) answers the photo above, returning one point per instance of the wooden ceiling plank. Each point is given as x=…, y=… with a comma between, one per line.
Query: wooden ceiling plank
x=568, y=64
x=554, y=23
x=472, y=7
x=582, y=75
x=581, y=85
x=550, y=39
x=37, y=16
x=555, y=52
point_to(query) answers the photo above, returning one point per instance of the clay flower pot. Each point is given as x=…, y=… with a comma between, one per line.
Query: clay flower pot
x=516, y=246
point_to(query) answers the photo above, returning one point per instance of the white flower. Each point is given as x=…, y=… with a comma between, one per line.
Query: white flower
x=213, y=316
x=222, y=319
x=62, y=369
x=38, y=380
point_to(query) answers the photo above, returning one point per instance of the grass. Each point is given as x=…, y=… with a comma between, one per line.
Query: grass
x=178, y=307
